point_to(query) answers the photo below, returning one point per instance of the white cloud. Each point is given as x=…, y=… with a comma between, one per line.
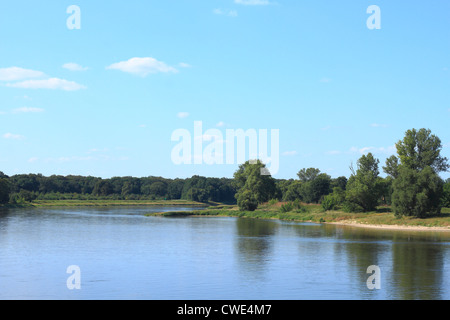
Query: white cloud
x=289, y=153
x=184, y=65
x=380, y=150
x=27, y=110
x=142, y=66
x=33, y=159
x=13, y=136
x=230, y=13
x=253, y=2
x=52, y=83
x=183, y=115
x=16, y=73
x=220, y=124
x=74, y=67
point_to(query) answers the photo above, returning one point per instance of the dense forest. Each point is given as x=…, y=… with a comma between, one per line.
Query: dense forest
x=412, y=185
x=28, y=187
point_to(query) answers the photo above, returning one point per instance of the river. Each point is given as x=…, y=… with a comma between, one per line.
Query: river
x=120, y=253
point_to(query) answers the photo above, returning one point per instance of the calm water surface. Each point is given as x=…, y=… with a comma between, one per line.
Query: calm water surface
x=124, y=255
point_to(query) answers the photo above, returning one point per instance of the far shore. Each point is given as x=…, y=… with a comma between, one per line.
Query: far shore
x=383, y=218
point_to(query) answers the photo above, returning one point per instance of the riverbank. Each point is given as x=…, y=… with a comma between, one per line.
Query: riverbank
x=106, y=203
x=383, y=218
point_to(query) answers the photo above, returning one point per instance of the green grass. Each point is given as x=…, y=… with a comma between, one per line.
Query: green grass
x=105, y=203
x=314, y=213
x=272, y=210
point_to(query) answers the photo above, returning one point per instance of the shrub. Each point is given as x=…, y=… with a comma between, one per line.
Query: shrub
x=287, y=207
x=247, y=201
x=329, y=202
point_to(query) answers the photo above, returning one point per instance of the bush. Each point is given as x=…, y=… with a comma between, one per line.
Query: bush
x=352, y=207
x=291, y=206
x=329, y=202
x=287, y=207
x=247, y=201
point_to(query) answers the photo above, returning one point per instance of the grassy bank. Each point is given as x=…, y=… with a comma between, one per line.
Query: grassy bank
x=106, y=203
x=314, y=213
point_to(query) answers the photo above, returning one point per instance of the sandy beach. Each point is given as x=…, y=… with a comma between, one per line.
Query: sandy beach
x=354, y=223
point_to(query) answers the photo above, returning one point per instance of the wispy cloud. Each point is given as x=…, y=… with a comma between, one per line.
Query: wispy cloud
x=27, y=110
x=376, y=150
x=142, y=66
x=184, y=65
x=182, y=115
x=364, y=150
x=74, y=67
x=13, y=136
x=16, y=73
x=52, y=84
x=226, y=12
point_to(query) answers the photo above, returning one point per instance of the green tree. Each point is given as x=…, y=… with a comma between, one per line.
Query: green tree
x=446, y=195
x=4, y=191
x=364, y=186
x=421, y=149
x=309, y=174
x=246, y=200
x=250, y=180
x=391, y=167
x=417, y=187
x=313, y=190
x=293, y=191
x=417, y=193
x=103, y=188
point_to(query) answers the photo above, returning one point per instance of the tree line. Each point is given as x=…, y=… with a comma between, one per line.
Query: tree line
x=412, y=185
x=28, y=187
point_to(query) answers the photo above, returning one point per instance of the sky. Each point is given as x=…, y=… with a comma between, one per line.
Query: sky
x=99, y=89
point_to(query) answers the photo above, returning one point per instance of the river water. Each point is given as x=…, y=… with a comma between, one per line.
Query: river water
x=120, y=253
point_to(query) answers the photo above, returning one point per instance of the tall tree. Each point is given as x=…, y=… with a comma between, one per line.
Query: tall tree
x=417, y=193
x=420, y=149
x=417, y=188
x=364, y=186
x=253, y=186
x=313, y=190
x=309, y=174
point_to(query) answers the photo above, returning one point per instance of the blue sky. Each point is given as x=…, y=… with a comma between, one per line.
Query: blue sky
x=104, y=100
